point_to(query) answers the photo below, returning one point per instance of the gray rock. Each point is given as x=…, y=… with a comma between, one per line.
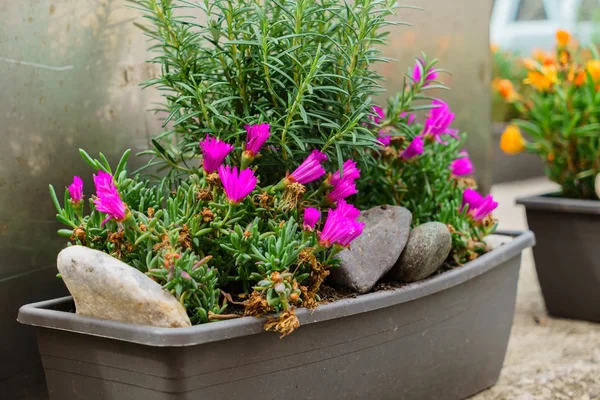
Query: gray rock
x=428, y=246
x=105, y=287
x=495, y=241
x=374, y=252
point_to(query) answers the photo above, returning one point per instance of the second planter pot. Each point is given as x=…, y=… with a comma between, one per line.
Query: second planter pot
x=567, y=255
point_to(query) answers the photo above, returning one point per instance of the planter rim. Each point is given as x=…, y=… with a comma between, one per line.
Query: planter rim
x=39, y=314
x=546, y=202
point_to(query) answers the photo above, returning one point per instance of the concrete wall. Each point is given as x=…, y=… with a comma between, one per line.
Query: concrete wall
x=69, y=74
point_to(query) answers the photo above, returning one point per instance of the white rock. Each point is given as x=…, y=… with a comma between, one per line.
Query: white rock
x=495, y=241
x=598, y=185
x=105, y=287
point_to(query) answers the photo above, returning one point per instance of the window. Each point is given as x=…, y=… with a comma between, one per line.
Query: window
x=589, y=10
x=531, y=10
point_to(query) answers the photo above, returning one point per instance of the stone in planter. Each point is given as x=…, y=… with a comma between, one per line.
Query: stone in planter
x=374, y=253
x=105, y=287
x=428, y=246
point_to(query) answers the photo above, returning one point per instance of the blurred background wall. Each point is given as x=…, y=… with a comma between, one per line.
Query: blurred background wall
x=457, y=34
x=70, y=72
x=69, y=79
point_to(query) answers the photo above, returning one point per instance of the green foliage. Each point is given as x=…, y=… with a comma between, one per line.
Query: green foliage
x=560, y=112
x=187, y=236
x=303, y=66
x=423, y=184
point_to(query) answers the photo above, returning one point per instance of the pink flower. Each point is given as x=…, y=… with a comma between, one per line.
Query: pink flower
x=342, y=190
x=439, y=121
x=76, y=190
x=415, y=148
x=410, y=117
x=339, y=229
x=471, y=198
x=237, y=186
x=311, y=217
x=385, y=140
x=214, y=152
x=379, y=114
x=108, y=199
x=347, y=210
x=479, y=207
x=343, y=184
x=310, y=170
x=462, y=166
x=256, y=137
x=416, y=73
x=350, y=173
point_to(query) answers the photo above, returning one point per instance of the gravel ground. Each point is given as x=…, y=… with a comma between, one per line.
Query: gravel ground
x=547, y=358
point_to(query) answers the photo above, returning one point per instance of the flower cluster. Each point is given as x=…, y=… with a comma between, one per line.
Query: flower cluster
x=211, y=233
x=560, y=112
x=422, y=167
x=260, y=220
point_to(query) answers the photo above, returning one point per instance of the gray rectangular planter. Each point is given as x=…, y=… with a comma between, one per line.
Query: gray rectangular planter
x=441, y=338
x=567, y=256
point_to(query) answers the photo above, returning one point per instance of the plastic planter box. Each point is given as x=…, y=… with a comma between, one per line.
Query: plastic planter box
x=441, y=338
x=567, y=257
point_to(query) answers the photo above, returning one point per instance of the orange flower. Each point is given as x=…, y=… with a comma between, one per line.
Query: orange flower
x=564, y=57
x=506, y=90
x=562, y=38
x=544, y=79
x=576, y=77
x=550, y=157
x=543, y=57
x=494, y=48
x=511, y=141
x=593, y=67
